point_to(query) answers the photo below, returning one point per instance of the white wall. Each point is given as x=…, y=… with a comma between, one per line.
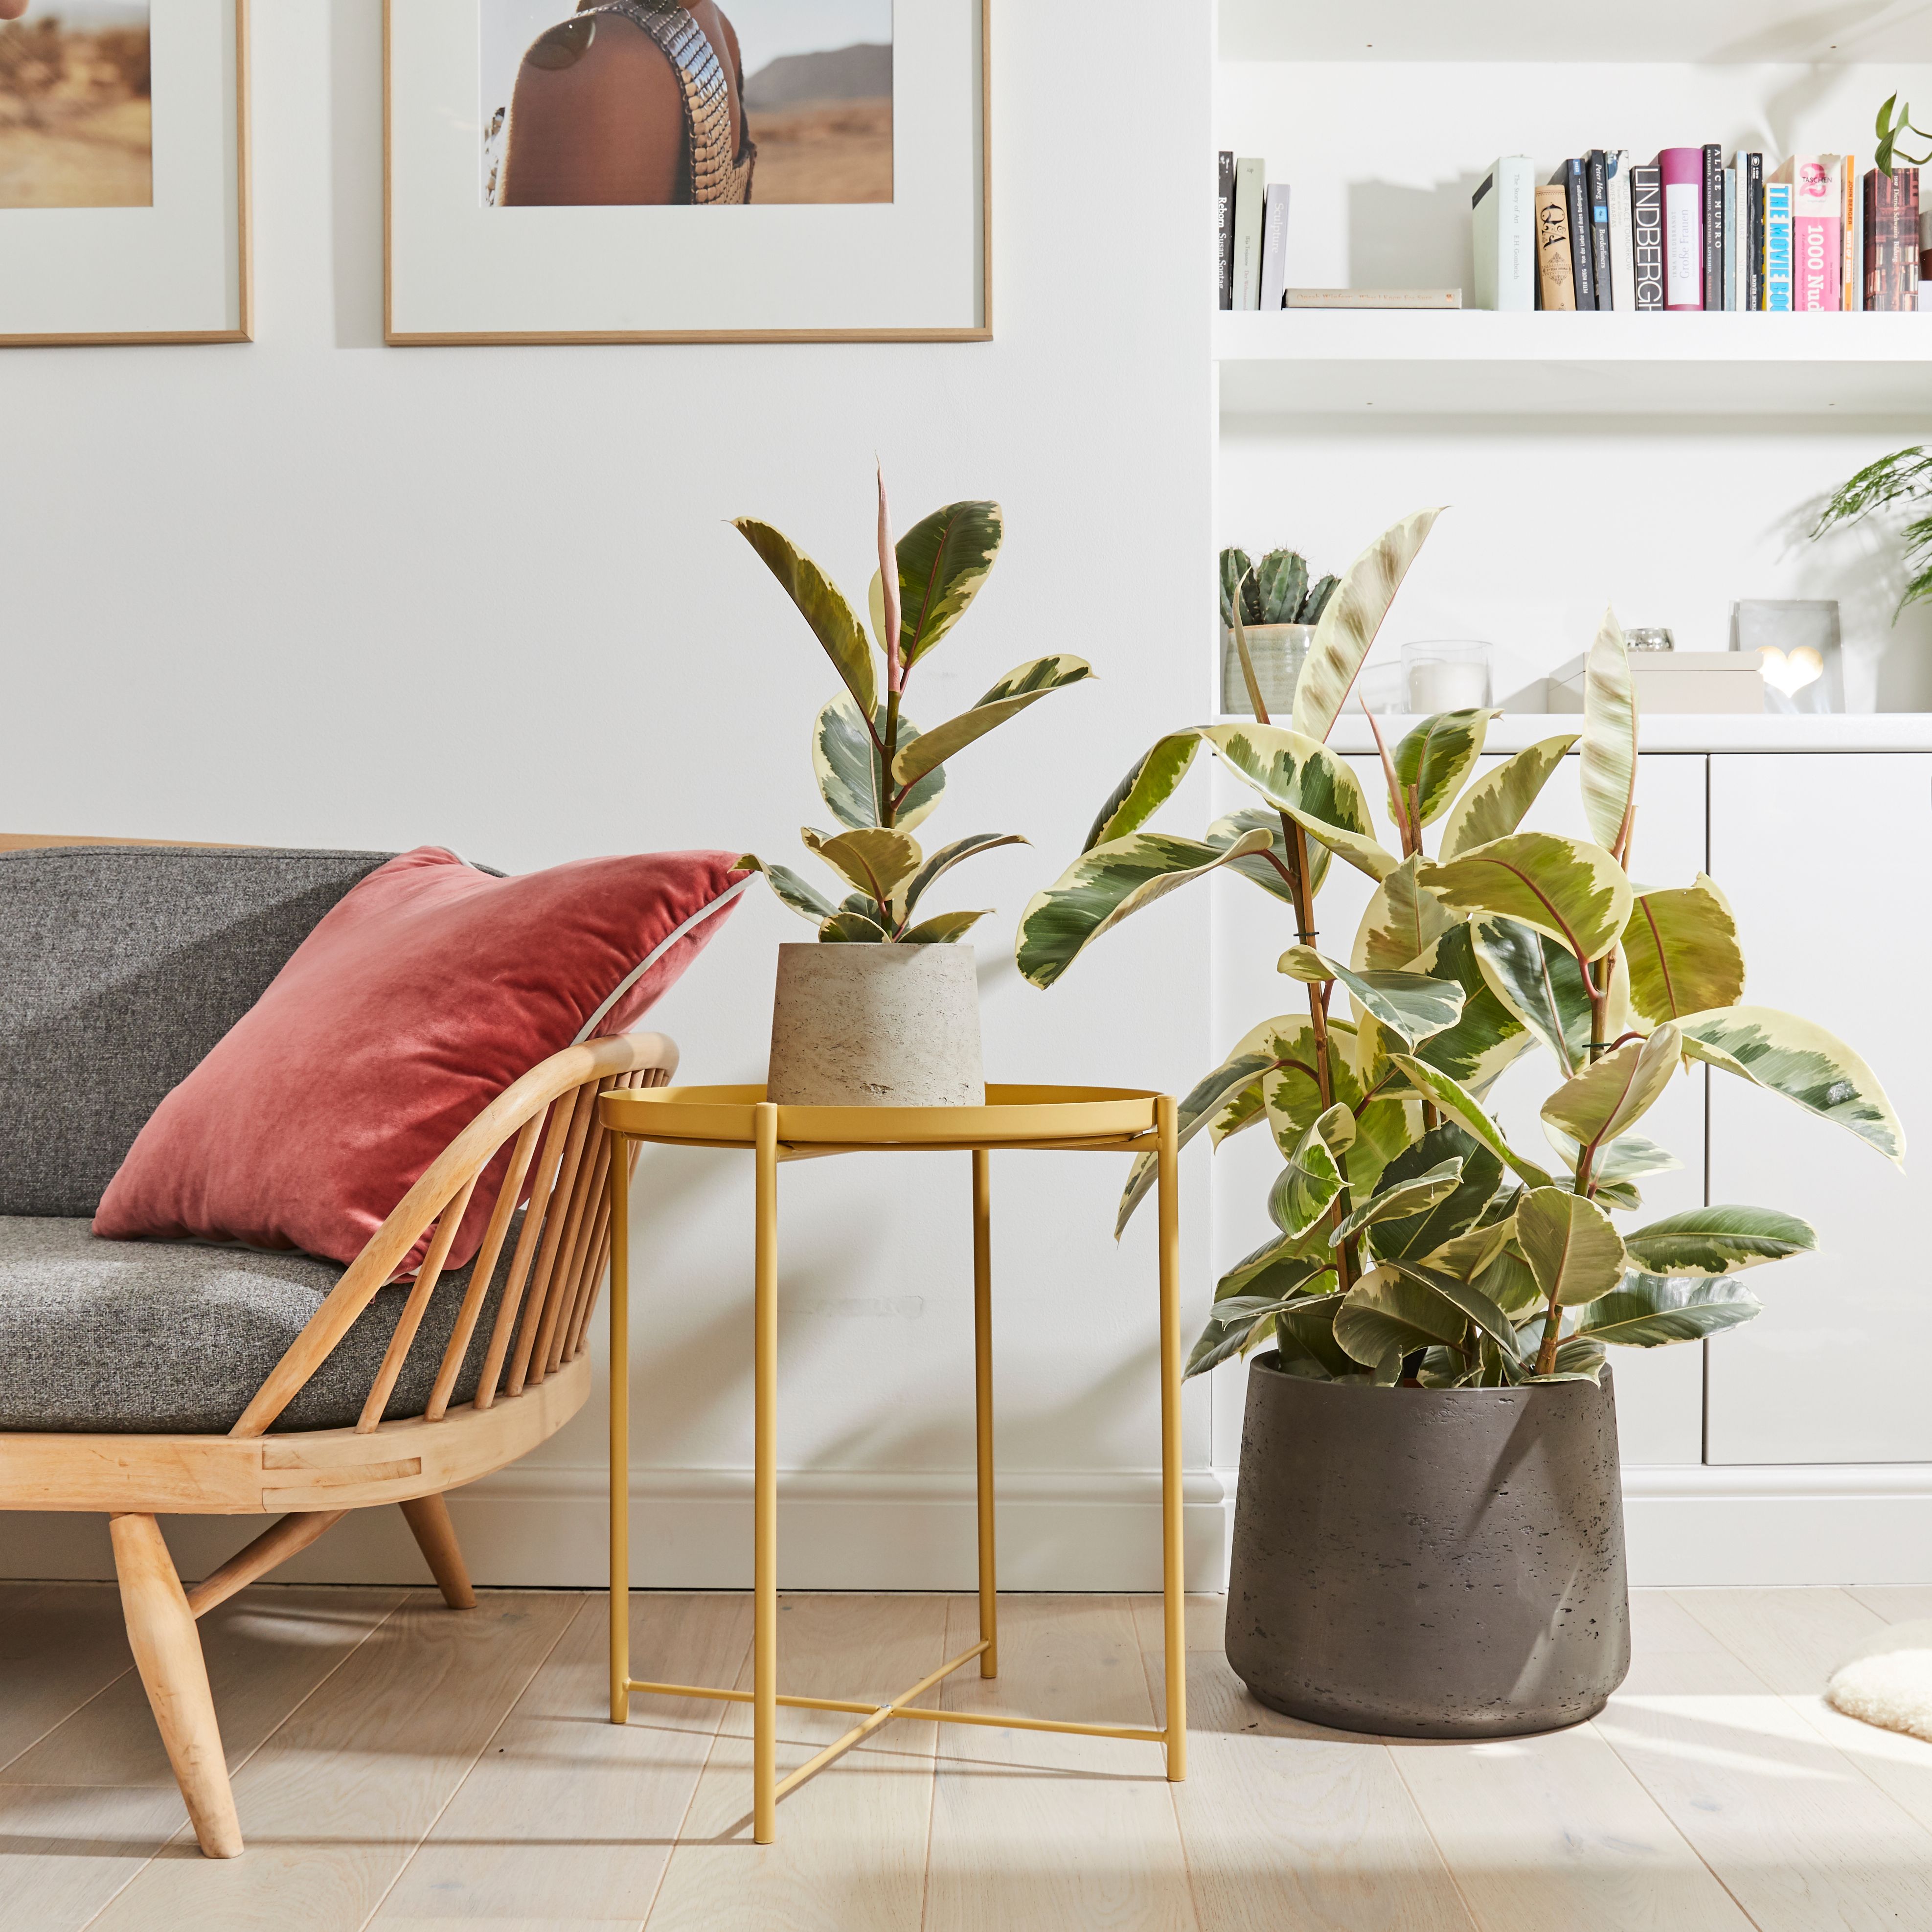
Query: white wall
x=318, y=592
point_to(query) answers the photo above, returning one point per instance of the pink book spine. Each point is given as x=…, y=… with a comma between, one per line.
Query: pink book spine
x=1817, y=238
x=1681, y=174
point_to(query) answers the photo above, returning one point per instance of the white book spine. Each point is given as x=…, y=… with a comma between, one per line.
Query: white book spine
x=1623, y=240
x=1502, y=218
x=1250, y=191
x=1683, y=246
x=1274, y=245
x=1732, y=205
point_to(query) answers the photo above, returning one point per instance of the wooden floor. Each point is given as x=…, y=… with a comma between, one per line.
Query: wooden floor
x=404, y=1767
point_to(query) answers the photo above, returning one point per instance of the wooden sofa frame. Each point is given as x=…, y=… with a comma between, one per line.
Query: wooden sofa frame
x=535, y=1376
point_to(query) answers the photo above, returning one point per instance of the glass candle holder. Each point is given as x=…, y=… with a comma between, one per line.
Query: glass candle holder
x=1650, y=637
x=1796, y=643
x=1449, y=674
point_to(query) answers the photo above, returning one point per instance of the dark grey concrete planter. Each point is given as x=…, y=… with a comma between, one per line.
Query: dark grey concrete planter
x=1429, y=1563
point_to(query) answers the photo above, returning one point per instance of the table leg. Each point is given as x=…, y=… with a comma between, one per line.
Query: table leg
x=1173, y=1603
x=982, y=1403
x=765, y=1529
x=620, y=1435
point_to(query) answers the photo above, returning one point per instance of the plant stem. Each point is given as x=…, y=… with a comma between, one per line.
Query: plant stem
x=1546, y=1353
x=888, y=810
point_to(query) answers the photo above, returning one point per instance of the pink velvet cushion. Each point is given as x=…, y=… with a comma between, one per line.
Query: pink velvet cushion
x=424, y=992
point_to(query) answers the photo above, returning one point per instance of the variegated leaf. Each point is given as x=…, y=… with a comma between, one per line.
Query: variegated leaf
x=944, y=928
x=1578, y=1360
x=947, y=857
x=823, y=605
x=1614, y=1093
x=1682, y=948
x=1402, y=1199
x=1618, y=1166
x=1432, y=760
x=1718, y=1241
x=942, y=560
x=1566, y=887
x=1487, y=1038
x=1278, y=1266
x=1302, y=777
x=797, y=894
x=1307, y=1185
x=1412, y=1236
x=1410, y=1005
x=848, y=927
x=1025, y=684
x=1609, y=736
x=1292, y=1094
x=1266, y=868
x=1572, y=1248
x=1402, y=922
x=1385, y=1126
x=1230, y=1327
x=1463, y=1107
x=1537, y=978
x=1462, y=1296
x=1648, y=1311
x=877, y=861
x=1470, y=1254
x=845, y=761
x=1802, y=1062
x=1508, y=1282
x=1387, y=1313
x=1350, y=619
x=1150, y=781
x=1494, y=804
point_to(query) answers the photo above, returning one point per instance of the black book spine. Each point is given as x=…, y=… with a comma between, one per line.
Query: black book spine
x=1713, y=226
x=1225, y=229
x=1600, y=226
x=1647, y=235
x=1573, y=178
x=1750, y=234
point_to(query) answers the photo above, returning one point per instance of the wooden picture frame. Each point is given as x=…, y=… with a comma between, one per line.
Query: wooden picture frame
x=405, y=320
x=215, y=166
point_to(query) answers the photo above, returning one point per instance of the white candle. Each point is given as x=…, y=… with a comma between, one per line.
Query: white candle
x=1442, y=685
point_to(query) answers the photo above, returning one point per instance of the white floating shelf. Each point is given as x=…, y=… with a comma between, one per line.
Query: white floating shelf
x=1328, y=361
x=1868, y=731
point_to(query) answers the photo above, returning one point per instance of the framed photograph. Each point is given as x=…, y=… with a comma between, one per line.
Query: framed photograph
x=124, y=172
x=722, y=171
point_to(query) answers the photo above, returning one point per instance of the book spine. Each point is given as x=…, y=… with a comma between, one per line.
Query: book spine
x=1597, y=163
x=1851, y=236
x=1891, y=272
x=1556, y=285
x=1250, y=191
x=1623, y=264
x=1647, y=238
x=1573, y=177
x=1814, y=262
x=1751, y=286
x=1224, y=230
x=1516, y=255
x=1730, y=238
x=1681, y=172
x=1714, y=226
x=1778, y=279
x=1274, y=245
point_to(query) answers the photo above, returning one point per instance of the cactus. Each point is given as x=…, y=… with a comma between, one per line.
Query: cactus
x=1281, y=582
x=1316, y=601
x=1233, y=572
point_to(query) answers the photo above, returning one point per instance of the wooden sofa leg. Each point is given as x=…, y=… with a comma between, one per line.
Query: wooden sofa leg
x=428, y=1519
x=167, y=1653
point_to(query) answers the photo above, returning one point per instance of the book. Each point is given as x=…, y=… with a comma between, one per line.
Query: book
x=1373, y=299
x=1777, y=245
x=1680, y=171
x=1851, y=240
x=1224, y=231
x=1925, y=246
x=1556, y=286
x=1623, y=264
x=1816, y=242
x=1891, y=270
x=1274, y=245
x=1647, y=238
x=1250, y=191
x=1502, y=218
x=1597, y=163
x=1573, y=177
x=1730, y=238
x=1714, y=225
x=1750, y=235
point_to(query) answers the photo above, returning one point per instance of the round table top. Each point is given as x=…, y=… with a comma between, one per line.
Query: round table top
x=1013, y=1117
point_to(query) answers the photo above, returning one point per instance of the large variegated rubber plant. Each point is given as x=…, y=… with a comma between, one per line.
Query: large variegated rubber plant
x=1414, y=1245
x=879, y=774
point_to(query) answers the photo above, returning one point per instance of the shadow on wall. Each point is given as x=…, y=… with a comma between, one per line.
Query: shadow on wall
x=1411, y=238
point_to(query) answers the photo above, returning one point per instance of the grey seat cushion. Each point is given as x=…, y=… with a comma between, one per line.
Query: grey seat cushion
x=170, y=1336
x=120, y=967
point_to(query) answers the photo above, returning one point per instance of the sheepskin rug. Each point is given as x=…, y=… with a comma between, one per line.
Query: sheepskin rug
x=1889, y=1681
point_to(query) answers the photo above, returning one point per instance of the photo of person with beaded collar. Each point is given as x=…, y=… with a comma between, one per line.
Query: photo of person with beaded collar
x=714, y=103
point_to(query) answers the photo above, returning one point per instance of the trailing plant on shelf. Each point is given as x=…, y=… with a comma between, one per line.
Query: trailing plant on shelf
x=878, y=773
x=1890, y=127
x=1274, y=591
x=1415, y=1243
x=1904, y=477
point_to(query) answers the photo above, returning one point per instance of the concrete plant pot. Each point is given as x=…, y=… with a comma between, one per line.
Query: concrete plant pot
x=876, y=1026
x=1277, y=652
x=1429, y=1563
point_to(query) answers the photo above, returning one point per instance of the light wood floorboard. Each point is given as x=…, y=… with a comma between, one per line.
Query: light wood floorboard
x=402, y=1768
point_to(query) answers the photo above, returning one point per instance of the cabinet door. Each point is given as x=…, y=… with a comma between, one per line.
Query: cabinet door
x=1824, y=857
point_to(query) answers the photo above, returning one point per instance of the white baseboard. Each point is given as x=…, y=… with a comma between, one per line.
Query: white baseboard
x=544, y=1525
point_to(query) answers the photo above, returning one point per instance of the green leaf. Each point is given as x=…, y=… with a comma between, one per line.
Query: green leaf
x=1683, y=951
x=1150, y=781
x=1417, y=1236
x=1307, y=1323
x=1353, y=615
x=1406, y=1197
x=1573, y=1250
x=1281, y=1266
x=1102, y=886
x=1609, y=736
x=1495, y=805
x=822, y=604
x=942, y=560
x=1616, y=1091
x=1258, y=866
x=1463, y=1107
x=1384, y=1128
x=1025, y=684
x=1302, y=777
x=1402, y=922
x=1412, y=1006
x=1465, y=1299
x=1618, y=1165
x=1433, y=759
x=1649, y=1310
x=1538, y=980
x=877, y=861
x=1307, y=1186
x=947, y=857
x=848, y=927
x=1227, y=1330
x=1578, y=1360
x=794, y=891
x=1388, y=1313
x=1488, y=1038
x=1719, y=1240
x=1508, y=1282
x=1469, y=1254
x=1803, y=1063
x=1573, y=890
x=1291, y=1092
x=943, y=928
x=845, y=762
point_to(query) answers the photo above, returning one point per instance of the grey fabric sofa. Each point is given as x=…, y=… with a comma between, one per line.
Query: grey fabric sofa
x=150, y=1379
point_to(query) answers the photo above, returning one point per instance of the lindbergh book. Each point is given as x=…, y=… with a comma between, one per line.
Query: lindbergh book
x=1647, y=236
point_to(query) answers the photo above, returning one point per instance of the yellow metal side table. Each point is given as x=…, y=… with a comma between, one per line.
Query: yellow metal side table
x=1085, y=1119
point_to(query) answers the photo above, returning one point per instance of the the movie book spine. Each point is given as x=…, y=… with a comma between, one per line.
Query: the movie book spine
x=1623, y=265
x=1573, y=177
x=1597, y=163
x=1681, y=172
x=1224, y=232
x=1750, y=273
x=1555, y=285
x=1777, y=246
x=1647, y=238
x=1250, y=192
x=1274, y=245
x=1713, y=172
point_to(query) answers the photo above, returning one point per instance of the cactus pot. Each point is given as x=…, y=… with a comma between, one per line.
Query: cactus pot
x=1277, y=651
x=876, y=1026
x=1429, y=1563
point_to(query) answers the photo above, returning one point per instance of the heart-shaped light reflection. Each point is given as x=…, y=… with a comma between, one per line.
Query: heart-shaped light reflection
x=1790, y=674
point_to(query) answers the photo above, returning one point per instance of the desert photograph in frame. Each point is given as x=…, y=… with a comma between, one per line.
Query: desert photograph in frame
x=124, y=172
x=643, y=170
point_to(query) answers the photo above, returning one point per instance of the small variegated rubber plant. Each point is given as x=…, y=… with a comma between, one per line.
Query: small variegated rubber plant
x=1414, y=1244
x=878, y=773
